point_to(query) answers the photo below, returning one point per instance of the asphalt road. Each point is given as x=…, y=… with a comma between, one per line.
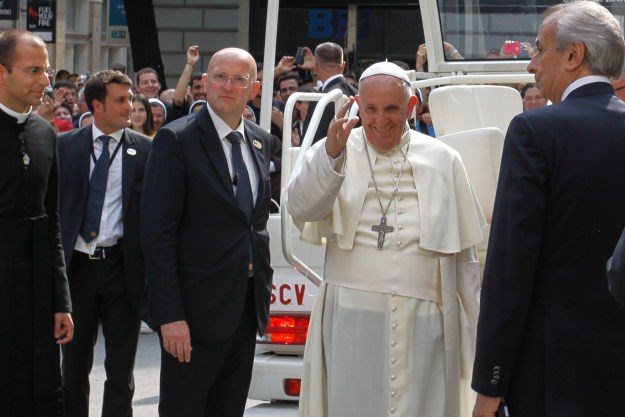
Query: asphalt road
x=145, y=403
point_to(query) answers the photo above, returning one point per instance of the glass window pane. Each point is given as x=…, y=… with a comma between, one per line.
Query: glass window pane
x=70, y=14
x=496, y=29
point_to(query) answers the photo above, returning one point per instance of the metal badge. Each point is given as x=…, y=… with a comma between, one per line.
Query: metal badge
x=25, y=159
x=257, y=144
x=131, y=152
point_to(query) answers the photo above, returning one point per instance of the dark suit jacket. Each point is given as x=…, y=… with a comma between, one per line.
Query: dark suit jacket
x=550, y=335
x=616, y=270
x=329, y=111
x=195, y=237
x=74, y=159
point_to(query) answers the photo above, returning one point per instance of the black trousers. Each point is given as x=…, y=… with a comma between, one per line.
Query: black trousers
x=216, y=381
x=99, y=296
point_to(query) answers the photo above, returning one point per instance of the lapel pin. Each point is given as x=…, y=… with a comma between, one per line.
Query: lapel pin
x=131, y=152
x=257, y=144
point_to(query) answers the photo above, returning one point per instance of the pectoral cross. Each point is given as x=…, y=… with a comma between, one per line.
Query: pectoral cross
x=382, y=230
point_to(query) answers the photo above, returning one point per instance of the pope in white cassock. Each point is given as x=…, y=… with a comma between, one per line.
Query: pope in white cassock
x=393, y=328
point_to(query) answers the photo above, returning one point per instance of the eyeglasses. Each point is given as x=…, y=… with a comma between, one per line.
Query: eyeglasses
x=238, y=81
x=287, y=89
x=34, y=71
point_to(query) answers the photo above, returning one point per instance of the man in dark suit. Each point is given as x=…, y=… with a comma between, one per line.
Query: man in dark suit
x=329, y=67
x=101, y=171
x=550, y=336
x=204, y=214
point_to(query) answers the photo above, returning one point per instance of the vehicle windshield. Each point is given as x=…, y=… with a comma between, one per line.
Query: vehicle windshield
x=495, y=29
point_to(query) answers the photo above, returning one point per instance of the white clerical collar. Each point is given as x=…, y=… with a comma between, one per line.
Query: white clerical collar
x=21, y=117
x=329, y=80
x=583, y=81
x=96, y=133
x=222, y=127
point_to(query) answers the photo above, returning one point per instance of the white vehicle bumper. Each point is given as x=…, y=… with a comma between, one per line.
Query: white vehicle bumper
x=270, y=371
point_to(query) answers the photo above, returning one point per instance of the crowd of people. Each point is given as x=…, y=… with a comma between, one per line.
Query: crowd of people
x=321, y=71
x=122, y=203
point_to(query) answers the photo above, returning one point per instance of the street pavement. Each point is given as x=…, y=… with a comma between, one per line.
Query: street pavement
x=147, y=366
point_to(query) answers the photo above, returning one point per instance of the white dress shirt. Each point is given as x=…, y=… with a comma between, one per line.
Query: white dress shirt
x=583, y=81
x=224, y=130
x=111, y=224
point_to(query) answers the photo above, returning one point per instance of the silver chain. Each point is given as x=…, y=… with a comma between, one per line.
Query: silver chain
x=375, y=184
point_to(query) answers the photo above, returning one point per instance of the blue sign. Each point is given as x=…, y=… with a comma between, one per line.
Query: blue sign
x=117, y=13
x=332, y=24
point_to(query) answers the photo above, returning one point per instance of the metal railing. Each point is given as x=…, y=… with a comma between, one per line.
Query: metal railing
x=286, y=221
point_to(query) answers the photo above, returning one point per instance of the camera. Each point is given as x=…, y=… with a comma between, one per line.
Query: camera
x=299, y=56
x=48, y=92
x=512, y=48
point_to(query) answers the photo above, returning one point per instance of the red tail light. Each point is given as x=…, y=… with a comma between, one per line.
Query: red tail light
x=286, y=329
x=292, y=387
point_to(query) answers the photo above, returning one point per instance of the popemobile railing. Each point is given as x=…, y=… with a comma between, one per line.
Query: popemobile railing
x=289, y=169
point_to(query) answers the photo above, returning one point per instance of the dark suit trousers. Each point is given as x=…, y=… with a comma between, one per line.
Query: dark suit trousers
x=98, y=295
x=216, y=381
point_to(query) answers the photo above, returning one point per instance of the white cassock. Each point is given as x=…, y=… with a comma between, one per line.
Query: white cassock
x=392, y=331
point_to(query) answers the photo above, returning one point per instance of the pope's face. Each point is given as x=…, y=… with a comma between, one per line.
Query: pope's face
x=384, y=108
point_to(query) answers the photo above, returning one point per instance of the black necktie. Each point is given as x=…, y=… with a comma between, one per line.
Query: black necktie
x=245, y=200
x=97, y=190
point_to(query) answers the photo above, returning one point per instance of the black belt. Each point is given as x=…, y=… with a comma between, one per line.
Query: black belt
x=103, y=252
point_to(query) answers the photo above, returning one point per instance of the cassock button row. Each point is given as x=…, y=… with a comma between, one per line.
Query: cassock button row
x=394, y=309
x=398, y=243
x=400, y=211
x=400, y=227
x=393, y=394
x=392, y=411
x=394, y=325
x=393, y=343
x=393, y=360
x=393, y=377
x=494, y=381
x=394, y=293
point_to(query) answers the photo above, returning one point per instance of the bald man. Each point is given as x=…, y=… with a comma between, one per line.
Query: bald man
x=204, y=217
